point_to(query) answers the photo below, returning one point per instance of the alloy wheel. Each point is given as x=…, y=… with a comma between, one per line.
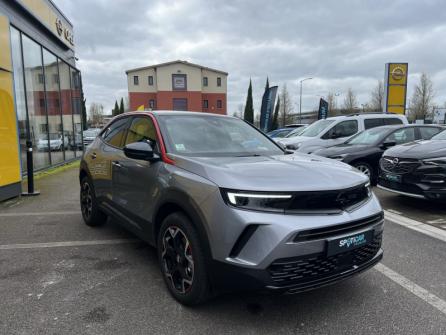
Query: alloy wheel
x=178, y=264
x=364, y=169
x=86, y=200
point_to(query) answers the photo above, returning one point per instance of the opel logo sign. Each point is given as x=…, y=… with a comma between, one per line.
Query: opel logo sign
x=59, y=27
x=395, y=161
x=397, y=73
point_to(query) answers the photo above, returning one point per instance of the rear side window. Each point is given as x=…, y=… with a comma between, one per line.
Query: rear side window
x=114, y=134
x=402, y=136
x=427, y=132
x=141, y=129
x=392, y=120
x=372, y=123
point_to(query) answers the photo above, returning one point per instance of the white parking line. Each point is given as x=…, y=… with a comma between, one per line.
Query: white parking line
x=421, y=227
x=40, y=213
x=420, y=292
x=66, y=244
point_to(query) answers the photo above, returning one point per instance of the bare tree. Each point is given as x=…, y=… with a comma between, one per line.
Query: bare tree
x=350, y=101
x=286, y=106
x=332, y=104
x=421, y=104
x=96, y=115
x=377, y=97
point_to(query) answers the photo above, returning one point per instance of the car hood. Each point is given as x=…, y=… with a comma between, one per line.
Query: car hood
x=296, y=172
x=342, y=149
x=419, y=149
x=294, y=139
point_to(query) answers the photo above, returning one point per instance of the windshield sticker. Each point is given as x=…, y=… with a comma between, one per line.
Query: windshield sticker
x=180, y=147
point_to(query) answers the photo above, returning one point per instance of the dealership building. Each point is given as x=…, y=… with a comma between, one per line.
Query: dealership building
x=177, y=85
x=40, y=90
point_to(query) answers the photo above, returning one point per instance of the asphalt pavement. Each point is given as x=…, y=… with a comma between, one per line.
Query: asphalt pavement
x=58, y=276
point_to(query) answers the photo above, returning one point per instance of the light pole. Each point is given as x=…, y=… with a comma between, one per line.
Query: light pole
x=300, y=99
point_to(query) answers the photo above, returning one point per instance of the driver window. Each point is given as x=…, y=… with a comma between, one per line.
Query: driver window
x=402, y=136
x=141, y=129
x=342, y=129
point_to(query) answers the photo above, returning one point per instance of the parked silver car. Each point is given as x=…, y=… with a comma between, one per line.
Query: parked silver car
x=226, y=207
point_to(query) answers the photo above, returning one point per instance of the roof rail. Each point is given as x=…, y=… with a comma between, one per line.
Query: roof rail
x=368, y=113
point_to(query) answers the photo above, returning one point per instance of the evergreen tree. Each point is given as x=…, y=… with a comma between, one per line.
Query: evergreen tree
x=121, y=106
x=275, y=124
x=115, y=110
x=267, y=84
x=249, y=109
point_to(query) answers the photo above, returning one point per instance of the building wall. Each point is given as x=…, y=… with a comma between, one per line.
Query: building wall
x=163, y=93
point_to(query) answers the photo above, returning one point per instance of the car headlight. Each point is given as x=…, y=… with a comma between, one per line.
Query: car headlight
x=338, y=157
x=259, y=201
x=368, y=187
x=439, y=161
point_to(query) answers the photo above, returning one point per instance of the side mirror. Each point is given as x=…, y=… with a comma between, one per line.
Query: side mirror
x=141, y=151
x=388, y=144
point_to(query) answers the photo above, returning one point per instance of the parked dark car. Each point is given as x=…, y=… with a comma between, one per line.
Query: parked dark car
x=226, y=207
x=416, y=169
x=364, y=150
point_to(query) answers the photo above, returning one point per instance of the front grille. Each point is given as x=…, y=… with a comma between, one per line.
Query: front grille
x=292, y=271
x=345, y=228
x=328, y=201
x=398, y=165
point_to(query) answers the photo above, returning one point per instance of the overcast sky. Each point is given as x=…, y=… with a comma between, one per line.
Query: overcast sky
x=340, y=44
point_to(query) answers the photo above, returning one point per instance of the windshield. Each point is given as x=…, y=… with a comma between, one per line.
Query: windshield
x=440, y=136
x=316, y=128
x=210, y=136
x=368, y=137
x=297, y=132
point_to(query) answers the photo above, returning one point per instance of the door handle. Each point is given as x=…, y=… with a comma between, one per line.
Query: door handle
x=93, y=155
x=117, y=164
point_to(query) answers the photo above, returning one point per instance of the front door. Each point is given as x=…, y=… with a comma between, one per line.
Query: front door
x=135, y=181
x=179, y=104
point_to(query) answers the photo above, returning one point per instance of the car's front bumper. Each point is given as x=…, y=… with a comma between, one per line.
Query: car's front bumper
x=426, y=182
x=276, y=242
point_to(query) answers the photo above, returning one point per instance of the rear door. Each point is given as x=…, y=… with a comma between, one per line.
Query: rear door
x=135, y=181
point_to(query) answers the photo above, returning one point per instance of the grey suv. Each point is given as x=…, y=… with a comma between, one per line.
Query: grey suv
x=226, y=207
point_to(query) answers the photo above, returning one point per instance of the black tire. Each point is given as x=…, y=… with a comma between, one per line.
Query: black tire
x=187, y=278
x=363, y=167
x=91, y=213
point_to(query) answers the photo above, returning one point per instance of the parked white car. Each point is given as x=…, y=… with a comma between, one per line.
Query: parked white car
x=56, y=143
x=335, y=130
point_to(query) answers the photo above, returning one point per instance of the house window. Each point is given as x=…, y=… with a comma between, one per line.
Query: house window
x=205, y=104
x=56, y=78
x=150, y=80
x=218, y=81
x=205, y=81
x=56, y=103
x=179, y=82
x=135, y=80
x=40, y=78
x=152, y=104
x=42, y=102
x=219, y=104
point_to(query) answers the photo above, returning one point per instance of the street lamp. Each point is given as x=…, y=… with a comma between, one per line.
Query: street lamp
x=300, y=99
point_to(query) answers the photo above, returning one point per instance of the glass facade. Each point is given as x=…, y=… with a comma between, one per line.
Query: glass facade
x=48, y=103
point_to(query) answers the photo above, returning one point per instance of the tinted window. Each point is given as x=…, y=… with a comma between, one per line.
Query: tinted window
x=141, y=129
x=392, y=120
x=372, y=123
x=402, y=136
x=343, y=129
x=440, y=136
x=114, y=134
x=428, y=132
x=368, y=137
